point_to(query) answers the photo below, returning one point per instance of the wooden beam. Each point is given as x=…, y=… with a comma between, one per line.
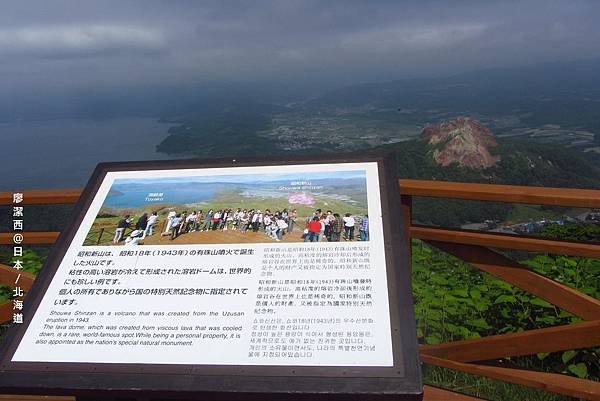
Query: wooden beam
x=6, y=312
x=431, y=393
x=43, y=197
x=551, y=339
x=561, y=295
x=8, y=276
x=556, y=383
x=506, y=241
x=585, y=198
x=31, y=237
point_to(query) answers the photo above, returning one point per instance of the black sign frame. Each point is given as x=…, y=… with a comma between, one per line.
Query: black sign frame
x=98, y=380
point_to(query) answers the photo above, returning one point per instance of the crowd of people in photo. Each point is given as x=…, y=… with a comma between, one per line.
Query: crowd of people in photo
x=143, y=228
x=317, y=227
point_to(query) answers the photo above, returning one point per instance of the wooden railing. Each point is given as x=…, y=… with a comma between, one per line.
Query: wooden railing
x=475, y=248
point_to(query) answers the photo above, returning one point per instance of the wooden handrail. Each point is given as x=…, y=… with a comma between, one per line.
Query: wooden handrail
x=43, y=196
x=31, y=238
x=550, y=339
x=587, y=198
x=506, y=241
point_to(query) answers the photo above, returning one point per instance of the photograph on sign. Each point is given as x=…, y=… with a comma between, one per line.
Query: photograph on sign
x=284, y=268
x=320, y=206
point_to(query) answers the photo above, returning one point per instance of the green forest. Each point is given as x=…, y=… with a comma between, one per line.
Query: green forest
x=454, y=301
x=522, y=163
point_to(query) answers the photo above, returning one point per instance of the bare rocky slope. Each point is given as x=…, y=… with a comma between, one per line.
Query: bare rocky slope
x=462, y=140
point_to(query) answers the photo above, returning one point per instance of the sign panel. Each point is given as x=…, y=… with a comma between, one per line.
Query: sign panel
x=254, y=268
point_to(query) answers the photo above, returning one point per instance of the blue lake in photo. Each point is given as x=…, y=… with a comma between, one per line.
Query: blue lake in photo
x=139, y=195
x=133, y=193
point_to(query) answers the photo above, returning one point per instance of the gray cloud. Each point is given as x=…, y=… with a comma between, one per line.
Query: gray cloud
x=79, y=40
x=72, y=44
x=403, y=38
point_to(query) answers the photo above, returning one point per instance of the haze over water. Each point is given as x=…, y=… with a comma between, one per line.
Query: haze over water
x=63, y=153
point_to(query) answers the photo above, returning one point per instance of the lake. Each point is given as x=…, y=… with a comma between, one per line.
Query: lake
x=128, y=196
x=64, y=153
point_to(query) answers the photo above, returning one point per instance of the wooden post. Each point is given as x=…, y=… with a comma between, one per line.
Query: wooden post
x=100, y=236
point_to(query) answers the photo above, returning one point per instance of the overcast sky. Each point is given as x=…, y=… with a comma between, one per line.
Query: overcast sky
x=74, y=44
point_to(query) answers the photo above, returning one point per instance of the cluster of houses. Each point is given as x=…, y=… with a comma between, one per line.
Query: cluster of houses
x=534, y=227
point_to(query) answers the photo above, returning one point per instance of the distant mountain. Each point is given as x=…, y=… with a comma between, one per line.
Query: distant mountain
x=462, y=140
x=482, y=90
x=514, y=162
x=463, y=150
x=564, y=94
x=546, y=103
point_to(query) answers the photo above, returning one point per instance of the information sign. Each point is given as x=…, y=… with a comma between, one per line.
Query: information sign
x=246, y=277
